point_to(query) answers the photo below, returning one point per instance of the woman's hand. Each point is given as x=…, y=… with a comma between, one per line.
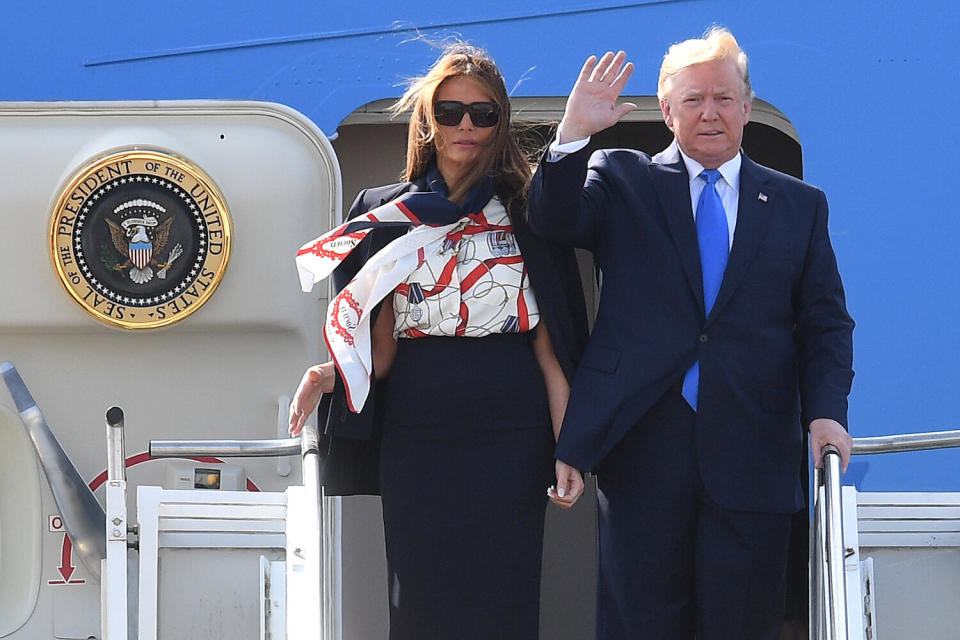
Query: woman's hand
x=316, y=381
x=569, y=486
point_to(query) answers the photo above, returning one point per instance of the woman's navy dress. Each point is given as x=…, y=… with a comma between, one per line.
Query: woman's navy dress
x=465, y=456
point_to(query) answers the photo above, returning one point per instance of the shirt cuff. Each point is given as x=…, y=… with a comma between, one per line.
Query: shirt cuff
x=558, y=151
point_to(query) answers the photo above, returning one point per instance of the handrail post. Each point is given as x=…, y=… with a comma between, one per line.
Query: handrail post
x=310, y=471
x=113, y=584
x=116, y=458
x=836, y=610
x=817, y=593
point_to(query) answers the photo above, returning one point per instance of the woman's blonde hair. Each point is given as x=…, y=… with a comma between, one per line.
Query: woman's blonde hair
x=503, y=161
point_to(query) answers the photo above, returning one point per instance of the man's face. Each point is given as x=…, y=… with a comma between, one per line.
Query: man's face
x=706, y=109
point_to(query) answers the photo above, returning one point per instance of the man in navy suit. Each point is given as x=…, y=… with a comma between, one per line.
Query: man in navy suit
x=713, y=348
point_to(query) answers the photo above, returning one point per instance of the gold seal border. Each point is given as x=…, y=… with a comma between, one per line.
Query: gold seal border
x=140, y=154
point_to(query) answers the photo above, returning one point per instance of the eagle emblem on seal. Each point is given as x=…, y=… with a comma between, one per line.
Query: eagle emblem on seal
x=140, y=235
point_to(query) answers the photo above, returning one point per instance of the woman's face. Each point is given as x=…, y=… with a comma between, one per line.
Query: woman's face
x=460, y=146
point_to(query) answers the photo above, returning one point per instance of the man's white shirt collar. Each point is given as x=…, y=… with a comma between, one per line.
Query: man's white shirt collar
x=730, y=170
x=728, y=188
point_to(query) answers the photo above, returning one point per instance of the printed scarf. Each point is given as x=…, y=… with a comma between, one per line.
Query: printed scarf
x=431, y=217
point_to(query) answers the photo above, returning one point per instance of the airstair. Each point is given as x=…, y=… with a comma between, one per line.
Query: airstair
x=291, y=587
x=884, y=566
x=297, y=584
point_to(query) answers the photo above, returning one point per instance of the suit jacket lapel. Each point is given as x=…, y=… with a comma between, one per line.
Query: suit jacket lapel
x=673, y=190
x=756, y=203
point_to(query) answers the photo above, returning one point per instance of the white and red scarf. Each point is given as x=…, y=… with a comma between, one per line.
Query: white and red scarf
x=432, y=218
x=475, y=285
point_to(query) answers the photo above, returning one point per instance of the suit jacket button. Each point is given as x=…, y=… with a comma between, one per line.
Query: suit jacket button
x=703, y=337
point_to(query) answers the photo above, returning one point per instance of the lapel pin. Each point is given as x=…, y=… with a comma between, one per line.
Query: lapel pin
x=762, y=197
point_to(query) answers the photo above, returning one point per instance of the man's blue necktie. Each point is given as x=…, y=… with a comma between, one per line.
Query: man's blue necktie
x=714, y=240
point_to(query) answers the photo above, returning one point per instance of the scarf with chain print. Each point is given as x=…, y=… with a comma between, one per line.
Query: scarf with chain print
x=431, y=217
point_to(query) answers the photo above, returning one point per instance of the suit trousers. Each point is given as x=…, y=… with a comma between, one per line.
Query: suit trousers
x=674, y=565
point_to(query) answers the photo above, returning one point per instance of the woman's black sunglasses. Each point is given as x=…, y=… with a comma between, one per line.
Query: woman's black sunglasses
x=449, y=113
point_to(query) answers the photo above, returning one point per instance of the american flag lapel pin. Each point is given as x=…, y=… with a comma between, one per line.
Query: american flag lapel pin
x=762, y=197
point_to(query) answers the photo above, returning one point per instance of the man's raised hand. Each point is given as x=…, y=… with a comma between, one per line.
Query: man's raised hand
x=592, y=105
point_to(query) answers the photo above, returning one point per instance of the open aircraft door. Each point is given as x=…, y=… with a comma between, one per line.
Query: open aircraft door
x=147, y=257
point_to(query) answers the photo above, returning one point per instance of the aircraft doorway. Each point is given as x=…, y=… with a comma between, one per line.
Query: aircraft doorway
x=371, y=149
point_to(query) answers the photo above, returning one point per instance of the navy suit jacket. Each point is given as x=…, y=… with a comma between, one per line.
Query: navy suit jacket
x=775, y=352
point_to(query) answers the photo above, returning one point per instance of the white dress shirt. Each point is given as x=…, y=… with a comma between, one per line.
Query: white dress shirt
x=728, y=187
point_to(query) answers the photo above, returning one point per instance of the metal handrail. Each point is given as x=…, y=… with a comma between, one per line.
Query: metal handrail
x=308, y=446
x=828, y=602
x=226, y=448
x=906, y=442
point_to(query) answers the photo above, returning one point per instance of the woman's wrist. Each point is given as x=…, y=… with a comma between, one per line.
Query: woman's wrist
x=329, y=376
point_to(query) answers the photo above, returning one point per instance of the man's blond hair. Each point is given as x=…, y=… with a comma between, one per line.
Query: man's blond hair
x=716, y=44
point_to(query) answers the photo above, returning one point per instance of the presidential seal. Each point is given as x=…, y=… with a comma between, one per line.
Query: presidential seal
x=140, y=239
